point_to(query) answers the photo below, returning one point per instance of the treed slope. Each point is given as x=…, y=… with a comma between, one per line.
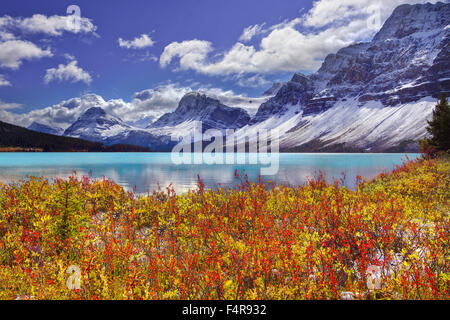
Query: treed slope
x=15, y=136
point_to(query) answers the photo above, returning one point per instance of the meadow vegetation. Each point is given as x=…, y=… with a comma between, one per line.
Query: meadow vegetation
x=385, y=239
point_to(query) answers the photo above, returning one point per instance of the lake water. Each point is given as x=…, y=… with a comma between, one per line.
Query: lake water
x=148, y=170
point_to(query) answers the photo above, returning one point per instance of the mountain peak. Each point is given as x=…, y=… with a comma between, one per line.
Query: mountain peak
x=96, y=125
x=196, y=100
x=94, y=112
x=407, y=20
x=196, y=106
x=406, y=61
x=273, y=90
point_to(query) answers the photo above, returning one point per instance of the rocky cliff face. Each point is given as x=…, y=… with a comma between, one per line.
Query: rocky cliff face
x=373, y=96
x=211, y=112
x=291, y=95
x=406, y=61
x=273, y=90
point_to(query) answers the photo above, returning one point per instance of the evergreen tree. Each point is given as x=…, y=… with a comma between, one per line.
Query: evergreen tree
x=439, y=126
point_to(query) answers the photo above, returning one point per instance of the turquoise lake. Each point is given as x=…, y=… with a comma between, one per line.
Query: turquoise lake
x=147, y=171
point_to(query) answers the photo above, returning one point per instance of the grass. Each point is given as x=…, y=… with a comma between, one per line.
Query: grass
x=387, y=239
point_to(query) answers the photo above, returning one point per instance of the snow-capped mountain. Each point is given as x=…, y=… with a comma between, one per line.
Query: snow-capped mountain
x=291, y=95
x=369, y=96
x=39, y=127
x=373, y=96
x=96, y=125
x=211, y=112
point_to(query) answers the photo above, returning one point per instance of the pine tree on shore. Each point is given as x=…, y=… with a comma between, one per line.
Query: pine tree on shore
x=439, y=128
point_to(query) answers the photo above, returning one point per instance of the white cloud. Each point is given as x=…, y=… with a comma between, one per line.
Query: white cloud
x=13, y=52
x=144, y=41
x=144, y=107
x=6, y=21
x=251, y=31
x=325, y=12
x=254, y=81
x=283, y=49
x=9, y=117
x=50, y=25
x=3, y=81
x=192, y=54
x=329, y=26
x=5, y=36
x=70, y=72
x=69, y=57
x=7, y=105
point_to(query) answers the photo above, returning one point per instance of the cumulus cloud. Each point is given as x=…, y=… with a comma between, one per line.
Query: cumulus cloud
x=51, y=25
x=326, y=12
x=191, y=54
x=60, y=115
x=13, y=52
x=143, y=41
x=144, y=107
x=69, y=72
x=299, y=44
x=164, y=97
x=3, y=81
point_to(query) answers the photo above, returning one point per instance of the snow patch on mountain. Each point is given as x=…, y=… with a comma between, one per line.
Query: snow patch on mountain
x=199, y=107
x=373, y=96
x=370, y=96
x=96, y=125
x=39, y=127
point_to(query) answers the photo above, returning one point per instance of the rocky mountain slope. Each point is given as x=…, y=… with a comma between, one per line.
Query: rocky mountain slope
x=211, y=112
x=96, y=125
x=373, y=96
x=39, y=127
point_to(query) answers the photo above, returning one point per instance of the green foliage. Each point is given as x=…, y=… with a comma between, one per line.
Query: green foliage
x=439, y=128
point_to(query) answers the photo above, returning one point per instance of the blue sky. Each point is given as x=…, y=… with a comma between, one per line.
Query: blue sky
x=118, y=72
x=236, y=48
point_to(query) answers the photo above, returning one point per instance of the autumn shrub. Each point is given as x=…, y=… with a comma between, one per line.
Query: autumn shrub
x=385, y=239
